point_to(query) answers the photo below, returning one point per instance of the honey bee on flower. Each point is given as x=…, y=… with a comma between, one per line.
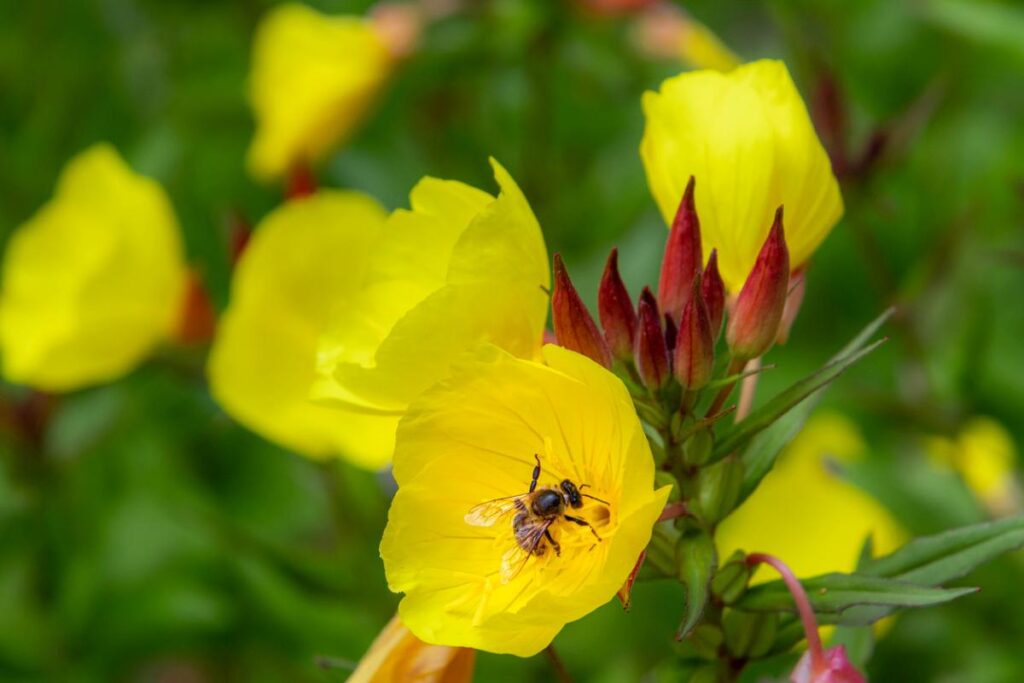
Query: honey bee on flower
x=533, y=515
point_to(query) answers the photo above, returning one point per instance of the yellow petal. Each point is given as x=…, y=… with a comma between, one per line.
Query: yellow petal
x=459, y=269
x=806, y=514
x=313, y=78
x=94, y=280
x=306, y=260
x=747, y=139
x=473, y=438
x=398, y=655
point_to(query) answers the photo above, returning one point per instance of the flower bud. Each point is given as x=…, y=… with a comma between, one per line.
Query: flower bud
x=755, y=318
x=832, y=667
x=616, y=310
x=649, y=350
x=749, y=634
x=718, y=487
x=575, y=329
x=730, y=582
x=795, y=297
x=713, y=292
x=694, y=359
x=682, y=258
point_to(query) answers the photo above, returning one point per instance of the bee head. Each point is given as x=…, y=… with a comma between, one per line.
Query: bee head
x=572, y=494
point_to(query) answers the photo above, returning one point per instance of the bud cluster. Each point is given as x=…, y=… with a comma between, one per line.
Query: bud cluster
x=666, y=343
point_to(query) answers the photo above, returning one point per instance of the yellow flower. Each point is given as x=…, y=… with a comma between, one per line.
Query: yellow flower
x=474, y=438
x=804, y=514
x=305, y=260
x=313, y=78
x=94, y=280
x=398, y=655
x=747, y=139
x=458, y=269
x=985, y=456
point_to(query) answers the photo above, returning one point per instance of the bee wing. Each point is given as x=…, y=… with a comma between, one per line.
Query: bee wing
x=491, y=512
x=515, y=558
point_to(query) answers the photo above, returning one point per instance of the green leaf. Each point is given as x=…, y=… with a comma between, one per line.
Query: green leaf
x=931, y=560
x=767, y=430
x=834, y=593
x=769, y=413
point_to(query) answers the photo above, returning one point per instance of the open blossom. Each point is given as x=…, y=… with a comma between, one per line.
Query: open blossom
x=746, y=137
x=305, y=259
x=398, y=655
x=94, y=280
x=313, y=78
x=457, y=269
x=808, y=514
x=451, y=545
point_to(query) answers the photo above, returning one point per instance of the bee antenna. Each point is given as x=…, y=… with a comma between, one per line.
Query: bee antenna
x=599, y=500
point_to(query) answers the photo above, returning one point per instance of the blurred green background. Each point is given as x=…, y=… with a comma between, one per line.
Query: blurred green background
x=145, y=537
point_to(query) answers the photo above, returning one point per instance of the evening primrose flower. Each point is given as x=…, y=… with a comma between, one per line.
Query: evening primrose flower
x=746, y=137
x=805, y=513
x=305, y=260
x=984, y=454
x=94, y=281
x=398, y=655
x=478, y=436
x=313, y=79
x=459, y=268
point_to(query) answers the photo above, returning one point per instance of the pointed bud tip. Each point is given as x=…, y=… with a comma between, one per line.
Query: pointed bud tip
x=615, y=310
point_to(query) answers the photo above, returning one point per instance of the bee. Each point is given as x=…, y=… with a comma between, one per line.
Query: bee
x=532, y=514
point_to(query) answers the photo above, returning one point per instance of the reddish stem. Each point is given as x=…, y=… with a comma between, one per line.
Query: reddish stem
x=674, y=511
x=803, y=605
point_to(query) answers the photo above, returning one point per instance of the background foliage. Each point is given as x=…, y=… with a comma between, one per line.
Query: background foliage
x=144, y=536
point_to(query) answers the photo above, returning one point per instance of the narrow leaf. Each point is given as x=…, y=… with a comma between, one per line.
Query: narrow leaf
x=765, y=446
x=834, y=593
x=768, y=414
x=931, y=560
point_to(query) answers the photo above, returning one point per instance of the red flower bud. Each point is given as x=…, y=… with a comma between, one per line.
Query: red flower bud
x=649, y=350
x=301, y=182
x=795, y=297
x=754, y=321
x=833, y=666
x=694, y=359
x=616, y=310
x=713, y=292
x=682, y=257
x=575, y=329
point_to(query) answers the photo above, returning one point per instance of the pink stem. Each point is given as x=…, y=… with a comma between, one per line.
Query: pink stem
x=803, y=605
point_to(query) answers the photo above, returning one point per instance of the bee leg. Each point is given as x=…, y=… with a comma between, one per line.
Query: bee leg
x=553, y=542
x=582, y=522
x=536, y=473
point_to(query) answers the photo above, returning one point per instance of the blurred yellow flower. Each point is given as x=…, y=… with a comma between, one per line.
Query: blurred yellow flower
x=398, y=655
x=805, y=514
x=747, y=139
x=305, y=260
x=985, y=456
x=94, y=280
x=477, y=437
x=458, y=269
x=313, y=78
